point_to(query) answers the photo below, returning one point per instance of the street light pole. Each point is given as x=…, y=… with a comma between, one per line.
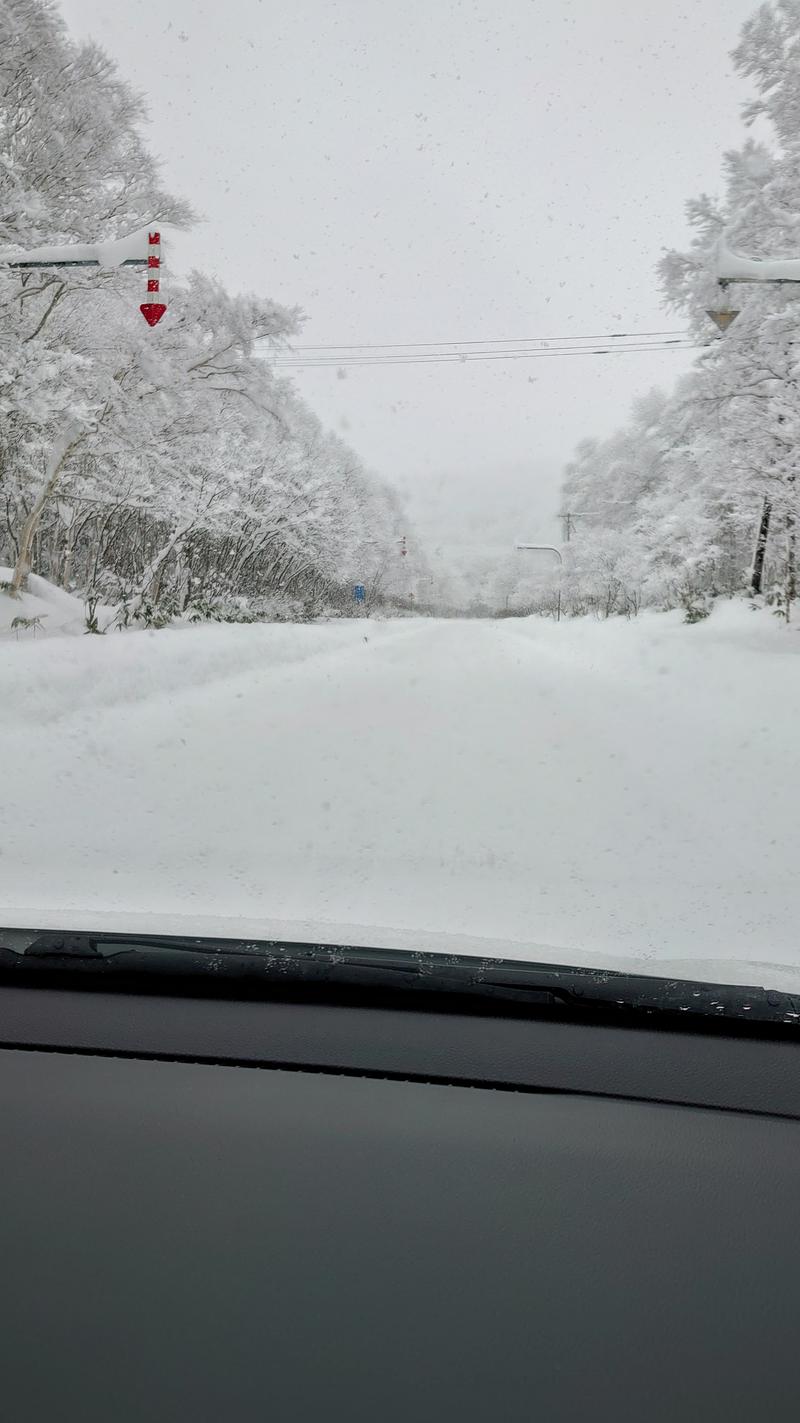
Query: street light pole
x=548, y=548
x=781, y=272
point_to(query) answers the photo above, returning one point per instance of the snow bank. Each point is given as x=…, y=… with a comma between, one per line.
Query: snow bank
x=124, y=669
x=57, y=611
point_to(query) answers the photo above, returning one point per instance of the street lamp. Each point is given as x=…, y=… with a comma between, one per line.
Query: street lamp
x=733, y=270
x=547, y=548
x=777, y=272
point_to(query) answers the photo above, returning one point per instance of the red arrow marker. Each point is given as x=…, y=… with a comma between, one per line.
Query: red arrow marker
x=152, y=311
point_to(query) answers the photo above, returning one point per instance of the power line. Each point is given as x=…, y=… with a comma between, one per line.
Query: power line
x=496, y=341
x=463, y=358
x=336, y=354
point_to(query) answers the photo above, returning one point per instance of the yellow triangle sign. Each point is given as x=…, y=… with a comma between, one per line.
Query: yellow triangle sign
x=722, y=319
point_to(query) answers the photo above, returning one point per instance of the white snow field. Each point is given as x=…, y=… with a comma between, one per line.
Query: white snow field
x=617, y=793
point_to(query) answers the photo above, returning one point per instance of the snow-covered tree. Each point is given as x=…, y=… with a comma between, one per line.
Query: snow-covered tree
x=167, y=469
x=700, y=496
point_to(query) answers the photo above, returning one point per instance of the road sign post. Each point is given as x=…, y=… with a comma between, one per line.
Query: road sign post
x=140, y=249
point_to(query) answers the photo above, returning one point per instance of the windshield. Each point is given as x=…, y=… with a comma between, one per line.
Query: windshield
x=398, y=438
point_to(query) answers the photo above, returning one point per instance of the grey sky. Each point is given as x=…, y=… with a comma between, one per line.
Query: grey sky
x=425, y=171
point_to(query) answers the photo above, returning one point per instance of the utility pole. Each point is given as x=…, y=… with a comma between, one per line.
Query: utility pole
x=569, y=516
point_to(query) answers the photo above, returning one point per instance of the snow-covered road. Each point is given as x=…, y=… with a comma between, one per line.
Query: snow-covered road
x=582, y=791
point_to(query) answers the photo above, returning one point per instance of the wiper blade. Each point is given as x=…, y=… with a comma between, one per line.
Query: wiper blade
x=278, y=967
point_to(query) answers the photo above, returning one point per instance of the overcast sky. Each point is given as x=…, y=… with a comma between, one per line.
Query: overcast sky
x=425, y=171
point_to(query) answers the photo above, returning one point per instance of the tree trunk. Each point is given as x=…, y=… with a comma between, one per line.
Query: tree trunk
x=151, y=576
x=66, y=571
x=72, y=436
x=790, y=585
x=757, y=576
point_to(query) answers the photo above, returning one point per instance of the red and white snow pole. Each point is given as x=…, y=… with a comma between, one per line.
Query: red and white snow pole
x=153, y=309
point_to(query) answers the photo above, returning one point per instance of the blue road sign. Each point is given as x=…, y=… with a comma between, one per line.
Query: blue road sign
x=359, y=593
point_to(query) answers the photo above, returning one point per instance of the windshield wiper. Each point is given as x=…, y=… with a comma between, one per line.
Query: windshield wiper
x=276, y=967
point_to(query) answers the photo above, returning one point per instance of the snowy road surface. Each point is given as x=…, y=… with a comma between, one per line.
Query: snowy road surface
x=579, y=792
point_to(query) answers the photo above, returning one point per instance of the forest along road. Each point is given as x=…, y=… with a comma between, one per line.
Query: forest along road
x=618, y=789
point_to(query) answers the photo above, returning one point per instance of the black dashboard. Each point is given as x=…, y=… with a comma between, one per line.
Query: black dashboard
x=283, y=1209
